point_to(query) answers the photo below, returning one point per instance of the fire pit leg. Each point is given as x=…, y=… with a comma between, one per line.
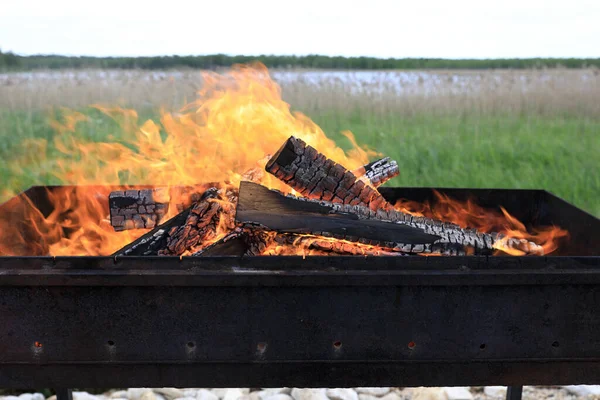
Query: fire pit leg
x=514, y=393
x=64, y=394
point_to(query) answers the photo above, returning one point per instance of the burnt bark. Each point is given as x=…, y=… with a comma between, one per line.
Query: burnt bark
x=316, y=177
x=259, y=205
x=216, y=208
x=146, y=208
x=232, y=244
x=152, y=242
x=380, y=171
x=449, y=239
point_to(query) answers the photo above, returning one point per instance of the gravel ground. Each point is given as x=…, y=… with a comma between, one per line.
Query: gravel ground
x=448, y=393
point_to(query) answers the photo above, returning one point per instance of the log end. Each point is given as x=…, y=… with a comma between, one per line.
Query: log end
x=286, y=154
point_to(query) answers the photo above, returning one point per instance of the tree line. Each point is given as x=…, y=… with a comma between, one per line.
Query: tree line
x=11, y=61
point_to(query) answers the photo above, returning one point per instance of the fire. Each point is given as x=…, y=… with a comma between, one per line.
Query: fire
x=237, y=119
x=223, y=137
x=468, y=214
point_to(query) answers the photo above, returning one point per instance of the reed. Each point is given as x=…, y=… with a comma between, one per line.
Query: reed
x=521, y=128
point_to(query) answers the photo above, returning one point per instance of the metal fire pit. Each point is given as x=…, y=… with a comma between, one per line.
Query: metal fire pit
x=314, y=322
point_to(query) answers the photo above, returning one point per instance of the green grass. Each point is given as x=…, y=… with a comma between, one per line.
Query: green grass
x=559, y=154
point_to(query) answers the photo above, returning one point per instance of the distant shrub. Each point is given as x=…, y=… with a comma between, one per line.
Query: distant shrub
x=312, y=61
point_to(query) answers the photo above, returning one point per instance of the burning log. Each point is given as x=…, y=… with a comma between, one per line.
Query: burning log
x=319, y=178
x=151, y=243
x=316, y=177
x=214, y=210
x=145, y=208
x=259, y=205
x=449, y=239
x=234, y=243
x=256, y=241
x=380, y=171
x=273, y=243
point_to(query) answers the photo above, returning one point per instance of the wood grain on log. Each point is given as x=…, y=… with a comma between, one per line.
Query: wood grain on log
x=451, y=238
x=146, y=208
x=378, y=172
x=258, y=204
x=316, y=177
x=232, y=244
x=450, y=234
x=152, y=242
x=215, y=209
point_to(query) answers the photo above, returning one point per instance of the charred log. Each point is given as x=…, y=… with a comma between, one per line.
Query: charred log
x=449, y=239
x=146, y=208
x=454, y=240
x=316, y=177
x=215, y=208
x=380, y=171
x=276, y=212
x=151, y=243
x=232, y=244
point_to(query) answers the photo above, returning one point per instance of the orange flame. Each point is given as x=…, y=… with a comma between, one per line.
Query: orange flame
x=468, y=214
x=222, y=137
x=237, y=119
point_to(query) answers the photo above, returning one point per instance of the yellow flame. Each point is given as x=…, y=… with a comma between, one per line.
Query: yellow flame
x=238, y=119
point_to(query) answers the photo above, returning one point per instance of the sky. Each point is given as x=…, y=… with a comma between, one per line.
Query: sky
x=416, y=28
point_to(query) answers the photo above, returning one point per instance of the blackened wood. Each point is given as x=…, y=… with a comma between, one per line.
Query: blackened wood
x=151, y=243
x=380, y=171
x=217, y=206
x=146, y=208
x=261, y=242
x=257, y=204
x=232, y=244
x=316, y=177
x=293, y=244
x=453, y=240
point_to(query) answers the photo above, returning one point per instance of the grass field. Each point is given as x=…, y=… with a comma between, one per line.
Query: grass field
x=532, y=132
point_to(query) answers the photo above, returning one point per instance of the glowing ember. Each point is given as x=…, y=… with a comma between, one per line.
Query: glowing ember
x=467, y=214
x=223, y=137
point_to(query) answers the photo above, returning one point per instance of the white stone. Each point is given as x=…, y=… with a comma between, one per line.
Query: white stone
x=119, y=394
x=9, y=397
x=219, y=392
x=363, y=396
x=185, y=398
x=148, y=395
x=136, y=393
x=32, y=396
x=280, y=396
x=391, y=396
x=342, y=394
x=584, y=390
x=426, y=393
x=266, y=392
x=309, y=394
x=495, y=391
x=190, y=393
x=373, y=391
x=85, y=396
x=170, y=393
x=458, y=393
x=235, y=394
x=204, y=394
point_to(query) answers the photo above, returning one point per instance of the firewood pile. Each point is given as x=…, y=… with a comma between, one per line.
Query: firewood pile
x=332, y=211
